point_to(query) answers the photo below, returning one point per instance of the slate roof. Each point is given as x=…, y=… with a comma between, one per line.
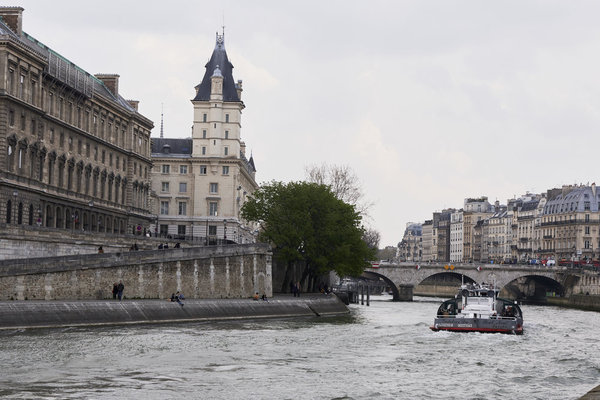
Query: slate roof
x=64, y=70
x=576, y=200
x=218, y=59
x=169, y=146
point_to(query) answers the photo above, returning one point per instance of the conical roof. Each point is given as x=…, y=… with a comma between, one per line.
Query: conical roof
x=218, y=60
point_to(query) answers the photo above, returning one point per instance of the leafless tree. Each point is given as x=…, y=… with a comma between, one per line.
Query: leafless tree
x=343, y=183
x=371, y=237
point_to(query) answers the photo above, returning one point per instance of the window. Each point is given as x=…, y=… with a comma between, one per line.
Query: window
x=182, y=187
x=226, y=150
x=182, y=208
x=52, y=136
x=226, y=117
x=70, y=143
x=181, y=230
x=587, y=230
x=203, y=170
x=164, y=186
x=203, y=150
x=166, y=169
x=214, y=187
x=212, y=230
x=587, y=217
x=103, y=156
x=587, y=244
x=164, y=207
x=11, y=117
x=225, y=170
x=203, y=133
x=212, y=208
x=203, y=117
x=183, y=169
x=226, y=134
x=78, y=146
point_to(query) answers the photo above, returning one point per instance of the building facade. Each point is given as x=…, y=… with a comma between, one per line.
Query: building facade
x=202, y=182
x=474, y=210
x=411, y=246
x=456, y=236
x=74, y=154
x=570, y=227
x=427, y=235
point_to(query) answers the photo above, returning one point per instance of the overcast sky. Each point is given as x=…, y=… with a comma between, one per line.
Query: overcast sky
x=428, y=102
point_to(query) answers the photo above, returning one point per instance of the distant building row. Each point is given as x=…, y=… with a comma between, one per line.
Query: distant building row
x=560, y=224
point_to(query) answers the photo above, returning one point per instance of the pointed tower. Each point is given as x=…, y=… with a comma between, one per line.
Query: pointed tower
x=223, y=177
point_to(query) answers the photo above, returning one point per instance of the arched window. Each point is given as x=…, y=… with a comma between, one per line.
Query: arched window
x=20, y=214
x=8, y=211
x=30, y=222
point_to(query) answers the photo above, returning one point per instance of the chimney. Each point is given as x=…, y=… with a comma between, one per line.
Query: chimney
x=134, y=104
x=594, y=189
x=111, y=81
x=13, y=18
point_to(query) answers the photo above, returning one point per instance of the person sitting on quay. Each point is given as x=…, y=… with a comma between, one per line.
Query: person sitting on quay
x=255, y=297
x=264, y=298
x=177, y=297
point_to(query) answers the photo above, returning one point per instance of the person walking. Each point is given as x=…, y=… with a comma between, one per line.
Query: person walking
x=115, y=290
x=120, y=288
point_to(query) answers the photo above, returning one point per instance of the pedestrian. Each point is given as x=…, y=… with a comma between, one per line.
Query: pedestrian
x=160, y=246
x=177, y=245
x=135, y=247
x=120, y=289
x=178, y=298
x=264, y=298
x=115, y=290
x=166, y=246
x=298, y=288
x=100, y=250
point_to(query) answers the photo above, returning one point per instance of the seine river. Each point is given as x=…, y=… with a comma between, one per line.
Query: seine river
x=385, y=351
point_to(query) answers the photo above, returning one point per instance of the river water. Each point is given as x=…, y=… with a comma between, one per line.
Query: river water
x=385, y=351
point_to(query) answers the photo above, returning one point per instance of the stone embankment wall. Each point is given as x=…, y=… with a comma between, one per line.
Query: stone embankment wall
x=235, y=271
x=26, y=241
x=49, y=314
x=578, y=301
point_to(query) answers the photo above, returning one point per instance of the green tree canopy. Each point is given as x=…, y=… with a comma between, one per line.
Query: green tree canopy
x=306, y=221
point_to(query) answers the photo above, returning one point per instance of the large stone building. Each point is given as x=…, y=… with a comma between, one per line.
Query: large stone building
x=570, y=224
x=427, y=236
x=202, y=182
x=456, y=236
x=411, y=246
x=474, y=210
x=74, y=154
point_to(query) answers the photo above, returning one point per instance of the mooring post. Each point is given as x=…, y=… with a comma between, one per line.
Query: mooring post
x=368, y=287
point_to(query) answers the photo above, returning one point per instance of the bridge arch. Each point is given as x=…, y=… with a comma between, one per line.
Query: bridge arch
x=523, y=281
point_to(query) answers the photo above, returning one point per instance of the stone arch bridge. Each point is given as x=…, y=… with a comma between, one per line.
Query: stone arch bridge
x=403, y=277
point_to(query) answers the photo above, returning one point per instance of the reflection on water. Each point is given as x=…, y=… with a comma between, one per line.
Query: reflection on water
x=385, y=351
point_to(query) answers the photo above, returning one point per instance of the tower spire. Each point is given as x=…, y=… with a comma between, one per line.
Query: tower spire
x=161, y=120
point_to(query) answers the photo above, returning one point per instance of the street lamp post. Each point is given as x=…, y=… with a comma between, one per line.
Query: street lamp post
x=225, y=231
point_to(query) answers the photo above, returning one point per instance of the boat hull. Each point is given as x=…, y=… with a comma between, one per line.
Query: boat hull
x=487, y=325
